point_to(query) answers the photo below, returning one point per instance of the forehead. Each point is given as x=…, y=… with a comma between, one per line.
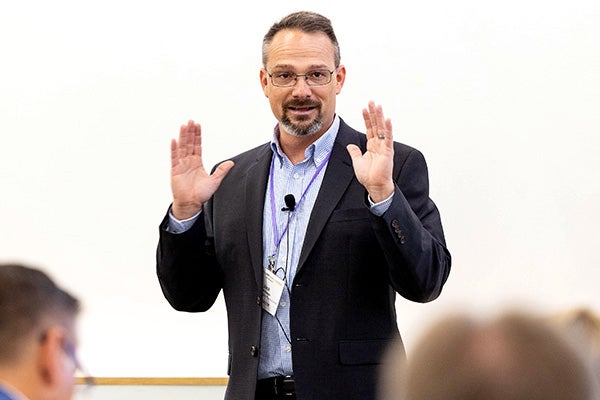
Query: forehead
x=300, y=49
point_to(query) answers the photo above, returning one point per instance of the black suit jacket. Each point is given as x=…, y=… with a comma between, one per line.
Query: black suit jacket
x=342, y=311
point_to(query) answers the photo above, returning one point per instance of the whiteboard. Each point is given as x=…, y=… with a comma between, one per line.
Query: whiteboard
x=501, y=97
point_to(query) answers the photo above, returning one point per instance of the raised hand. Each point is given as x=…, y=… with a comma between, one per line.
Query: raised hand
x=373, y=169
x=191, y=185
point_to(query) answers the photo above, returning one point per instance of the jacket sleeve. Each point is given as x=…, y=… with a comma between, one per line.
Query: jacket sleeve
x=411, y=235
x=187, y=271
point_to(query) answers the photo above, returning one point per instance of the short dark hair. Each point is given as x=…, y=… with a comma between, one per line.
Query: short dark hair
x=304, y=21
x=29, y=298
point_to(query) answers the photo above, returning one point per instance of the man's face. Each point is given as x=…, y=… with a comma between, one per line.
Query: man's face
x=302, y=110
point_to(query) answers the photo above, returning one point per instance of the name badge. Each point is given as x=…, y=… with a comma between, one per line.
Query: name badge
x=272, y=290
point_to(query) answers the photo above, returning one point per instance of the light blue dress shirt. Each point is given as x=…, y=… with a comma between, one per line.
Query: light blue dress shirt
x=276, y=347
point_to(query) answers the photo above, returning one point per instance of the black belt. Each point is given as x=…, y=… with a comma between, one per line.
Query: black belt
x=276, y=388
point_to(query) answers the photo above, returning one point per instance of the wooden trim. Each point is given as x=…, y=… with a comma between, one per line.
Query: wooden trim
x=157, y=381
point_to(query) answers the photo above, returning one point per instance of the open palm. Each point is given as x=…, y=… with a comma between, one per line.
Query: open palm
x=191, y=185
x=373, y=169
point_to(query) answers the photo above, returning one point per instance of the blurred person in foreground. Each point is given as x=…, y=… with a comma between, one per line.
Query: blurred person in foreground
x=514, y=356
x=310, y=236
x=37, y=336
x=582, y=326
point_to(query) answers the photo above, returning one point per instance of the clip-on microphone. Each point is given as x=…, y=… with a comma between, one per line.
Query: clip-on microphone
x=290, y=203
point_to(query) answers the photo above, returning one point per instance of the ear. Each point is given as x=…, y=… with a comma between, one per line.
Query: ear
x=51, y=359
x=340, y=78
x=264, y=81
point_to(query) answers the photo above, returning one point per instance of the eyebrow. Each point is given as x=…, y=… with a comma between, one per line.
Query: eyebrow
x=288, y=67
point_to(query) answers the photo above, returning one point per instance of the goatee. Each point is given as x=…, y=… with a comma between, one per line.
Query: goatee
x=298, y=130
x=301, y=130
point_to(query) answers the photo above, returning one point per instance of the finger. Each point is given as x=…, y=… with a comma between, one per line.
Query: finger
x=373, y=114
x=383, y=126
x=368, y=126
x=174, y=153
x=377, y=114
x=369, y=121
x=190, y=133
x=388, y=128
x=182, y=142
x=197, y=140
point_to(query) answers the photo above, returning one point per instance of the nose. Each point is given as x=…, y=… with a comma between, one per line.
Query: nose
x=301, y=88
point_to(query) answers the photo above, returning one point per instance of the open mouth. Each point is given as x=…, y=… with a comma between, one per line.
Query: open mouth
x=302, y=108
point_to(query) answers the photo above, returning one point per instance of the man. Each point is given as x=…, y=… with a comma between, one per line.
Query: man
x=515, y=356
x=37, y=336
x=309, y=236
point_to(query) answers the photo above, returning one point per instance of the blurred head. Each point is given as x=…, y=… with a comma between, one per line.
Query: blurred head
x=37, y=334
x=582, y=326
x=302, y=74
x=513, y=357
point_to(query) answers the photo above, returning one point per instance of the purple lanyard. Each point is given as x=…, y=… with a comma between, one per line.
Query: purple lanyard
x=276, y=237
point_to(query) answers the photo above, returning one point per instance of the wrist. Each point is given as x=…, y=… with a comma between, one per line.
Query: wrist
x=185, y=211
x=381, y=193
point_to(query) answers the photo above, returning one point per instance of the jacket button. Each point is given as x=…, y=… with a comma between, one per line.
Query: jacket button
x=253, y=351
x=258, y=300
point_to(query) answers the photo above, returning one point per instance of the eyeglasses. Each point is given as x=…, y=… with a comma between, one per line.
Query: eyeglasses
x=84, y=381
x=86, y=378
x=318, y=77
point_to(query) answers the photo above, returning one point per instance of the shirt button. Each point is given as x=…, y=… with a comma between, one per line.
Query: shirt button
x=283, y=304
x=288, y=349
x=296, y=175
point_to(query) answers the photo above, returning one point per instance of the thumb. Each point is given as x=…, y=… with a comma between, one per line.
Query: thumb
x=222, y=170
x=354, y=152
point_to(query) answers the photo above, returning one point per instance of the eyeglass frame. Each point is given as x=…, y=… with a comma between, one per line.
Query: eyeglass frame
x=306, y=79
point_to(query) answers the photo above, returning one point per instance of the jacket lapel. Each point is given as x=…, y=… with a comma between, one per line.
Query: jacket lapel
x=338, y=175
x=256, y=184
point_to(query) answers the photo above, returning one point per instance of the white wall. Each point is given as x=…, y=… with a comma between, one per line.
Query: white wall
x=501, y=97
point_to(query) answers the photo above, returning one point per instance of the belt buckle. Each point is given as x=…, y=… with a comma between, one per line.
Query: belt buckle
x=284, y=386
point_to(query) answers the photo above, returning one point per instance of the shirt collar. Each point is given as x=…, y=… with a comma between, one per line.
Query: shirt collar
x=11, y=391
x=318, y=150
